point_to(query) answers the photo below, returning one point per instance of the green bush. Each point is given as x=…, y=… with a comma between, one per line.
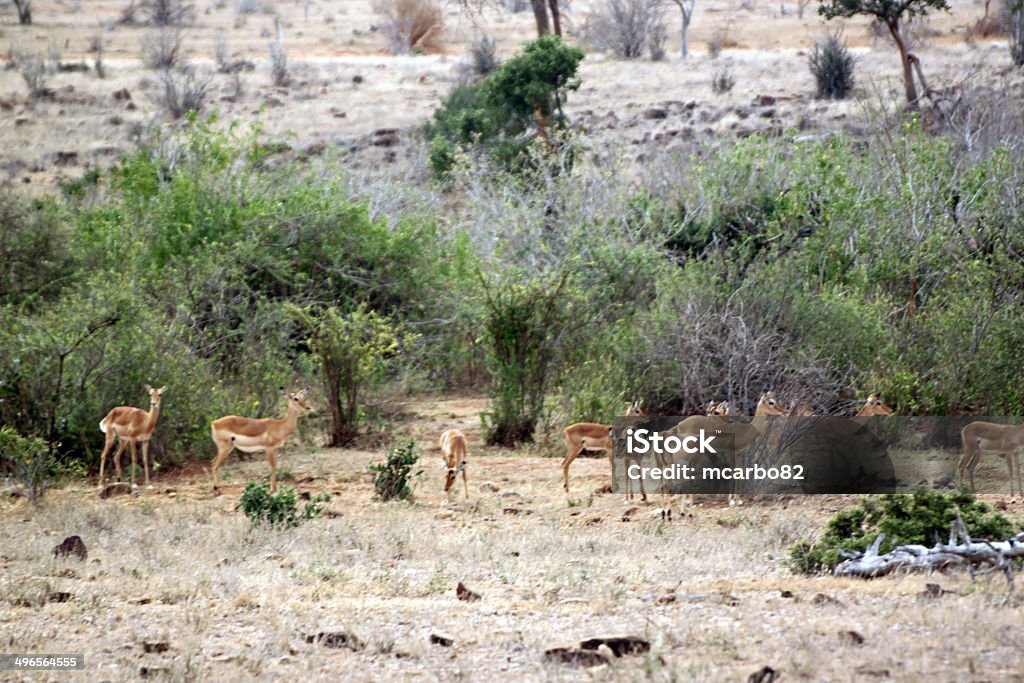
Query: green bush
x=392, y=479
x=32, y=463
x=278, y=510
x=519, y=98
x=920, y=518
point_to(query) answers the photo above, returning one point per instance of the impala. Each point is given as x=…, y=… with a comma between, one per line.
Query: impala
x=988, y=437
x=799, y=409
x=767, y=406
x=130, y=425
x=454, y=452
x=873, y=407
x=252, y=435
x=743, y=434
x=591, y=436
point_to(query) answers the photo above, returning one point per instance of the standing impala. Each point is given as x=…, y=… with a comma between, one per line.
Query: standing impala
x=130, y=425
x=591, y=436
x=252, y=435
x=454, y=452
x=990, y=437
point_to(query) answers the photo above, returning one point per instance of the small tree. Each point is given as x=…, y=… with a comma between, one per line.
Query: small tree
x=24, y=8
x=392, y=479
x=893, y=14
x=28, y=459
x=686, y=8
x=355, y=348
x=832, y=66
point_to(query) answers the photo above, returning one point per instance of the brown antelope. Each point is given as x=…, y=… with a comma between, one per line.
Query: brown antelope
x=767, y=406
x=799, y=409
x=723, y=409
x=743, y=434
x=252, y=435
x=454, y=452
x=873, y=407
x=988, y=437
x=591, y=436
x=130, y=425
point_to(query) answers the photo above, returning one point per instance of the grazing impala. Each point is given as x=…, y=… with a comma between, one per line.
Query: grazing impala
x=988, y=437
x=251, y=435
x=873, y=407
x=130, y=425
x=454, y=452
x=591, y=436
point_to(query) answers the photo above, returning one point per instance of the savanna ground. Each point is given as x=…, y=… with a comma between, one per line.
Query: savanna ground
x=347, y=95
x=177, y=567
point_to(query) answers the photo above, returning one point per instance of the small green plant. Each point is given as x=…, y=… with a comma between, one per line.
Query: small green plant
x=832, y=64
x=278, y=509
x=392, y=478
x=918, y=518
x=30, y=460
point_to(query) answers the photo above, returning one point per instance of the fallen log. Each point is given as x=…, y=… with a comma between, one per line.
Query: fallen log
x=962, y=552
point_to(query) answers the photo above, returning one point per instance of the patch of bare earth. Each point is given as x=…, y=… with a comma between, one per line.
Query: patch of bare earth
x=177, y=585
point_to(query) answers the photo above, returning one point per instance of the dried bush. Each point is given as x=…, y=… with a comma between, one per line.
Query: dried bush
x=36, y=69
x=656, y=42
x=183, y=91
x=832, y=65
x=254, y=7
x=410, y=24
x=482, y=61
x=626, y=27
x=168, y=12
x=163, y=50
x=722, y=81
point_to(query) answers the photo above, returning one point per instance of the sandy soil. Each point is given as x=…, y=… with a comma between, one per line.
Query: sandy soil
x=176, y=586
x=344, y=86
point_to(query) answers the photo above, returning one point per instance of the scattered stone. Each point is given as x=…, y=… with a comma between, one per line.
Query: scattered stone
x=575, y=657
x=767, y=113
x=851, y=638
x=822, y=599
x=316, y=149
x=764, y=100
x=65, y=158
x=765, y=674
x=787, y=594
x=153, y=671
x=273, y=102
x=357, y=79
x=116, y=489
x=72, y=545
x=59, y=596
x=465, y=594
x=122, y=95
x=21, y=121
x=489, y=487
x=667, y=598
x=385, y=137
x=336, y=639
x=619, y=645
x=933, y=590
x=655, y=113
x=155, y=646
x=443, y=641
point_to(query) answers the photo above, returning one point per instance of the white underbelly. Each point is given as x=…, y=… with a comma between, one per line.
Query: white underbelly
x=249, y=445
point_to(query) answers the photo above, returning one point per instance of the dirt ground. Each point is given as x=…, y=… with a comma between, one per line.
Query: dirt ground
x=347, y=94
x=176, y=586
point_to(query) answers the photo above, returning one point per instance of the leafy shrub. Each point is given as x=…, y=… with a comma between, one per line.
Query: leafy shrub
x=31, y=461
x=522, y=97
x=832, y=66
x=278, y=510
x=920, y=518
x=392, y=478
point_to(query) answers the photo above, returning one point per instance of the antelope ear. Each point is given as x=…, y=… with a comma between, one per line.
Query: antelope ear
x=149, y=388
x=162, y=389
x=302, y=392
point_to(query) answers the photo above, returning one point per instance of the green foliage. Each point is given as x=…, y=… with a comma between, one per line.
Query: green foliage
x=36, y=263
x=523, y=95
x=355, y=350
x=920, y=518
x=832, y=64
x=277, y=510
x=885, y=10
x=31, y=461
x=392, y=479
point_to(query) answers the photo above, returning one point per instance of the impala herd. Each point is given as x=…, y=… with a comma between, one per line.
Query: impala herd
x=131, y=426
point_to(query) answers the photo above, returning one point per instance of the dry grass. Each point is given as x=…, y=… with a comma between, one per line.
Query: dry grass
x=183, y=568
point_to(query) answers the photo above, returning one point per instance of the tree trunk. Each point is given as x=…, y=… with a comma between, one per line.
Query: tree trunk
x=24, y=11
x=684, y=47
x=908, y=71
x=540, y=15
x=556, y=17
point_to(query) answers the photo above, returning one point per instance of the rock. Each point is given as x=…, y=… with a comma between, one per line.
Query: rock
x=357, y=79
x=443, y=641
x=122, y=95
x=336, y=639
x=155, y=646
x=116, y=489
x=765, y=674
x=58, y=596
x=72, y=545
x=465, y=594
x=619, y=645
x=822, y=599
x=851, y=638
x=574, y=657
x=489, y=487
x=787, y=594
x=764, y=101
x=655, y=113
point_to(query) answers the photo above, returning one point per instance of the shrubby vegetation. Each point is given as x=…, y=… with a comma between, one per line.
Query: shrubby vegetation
x=922, y=518
x=278, y=510
x=560, y=284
